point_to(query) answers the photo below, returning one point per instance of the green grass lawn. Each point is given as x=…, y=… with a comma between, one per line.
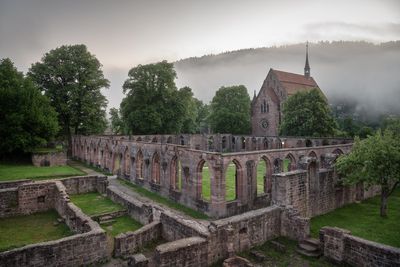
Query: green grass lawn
x=95, y=203
x=122, y=224
x=12, y=172
x=162, y=200
x=363, y=220
x=23, y=230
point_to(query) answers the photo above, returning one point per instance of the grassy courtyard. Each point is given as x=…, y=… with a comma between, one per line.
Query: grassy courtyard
x=363, y=220
x=23, y=230
x=12, y=172
x=120, y=225
x=95, y=203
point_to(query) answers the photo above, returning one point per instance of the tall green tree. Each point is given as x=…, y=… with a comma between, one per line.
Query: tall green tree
x=307, y=114
x=72, y=78
x=230, y=110
x=374, y=161
x=152, y=104
x=203, y=111
x=27, y=119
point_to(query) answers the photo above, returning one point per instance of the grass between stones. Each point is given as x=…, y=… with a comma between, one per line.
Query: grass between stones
x=120, y=225
x=363, y=220
x=162, y=200
x=95, y=203
x=12, y=172
x=23, y=230
x=288, y=258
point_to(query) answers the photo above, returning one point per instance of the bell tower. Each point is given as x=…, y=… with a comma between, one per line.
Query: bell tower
x=307, y=66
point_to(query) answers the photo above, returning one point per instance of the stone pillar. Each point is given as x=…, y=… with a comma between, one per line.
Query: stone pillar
x=218, y=187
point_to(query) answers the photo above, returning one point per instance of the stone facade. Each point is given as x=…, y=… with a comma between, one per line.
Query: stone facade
x=49, y=159
x=340, y=246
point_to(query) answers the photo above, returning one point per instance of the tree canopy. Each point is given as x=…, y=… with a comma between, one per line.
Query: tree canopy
x=26, y=118
x=307, y=114
x=230, y=110
x=153, y=104
x=72, y=78
x=373, y=161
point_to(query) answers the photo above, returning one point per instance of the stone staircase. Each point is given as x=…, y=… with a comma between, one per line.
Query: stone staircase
x=309, y=247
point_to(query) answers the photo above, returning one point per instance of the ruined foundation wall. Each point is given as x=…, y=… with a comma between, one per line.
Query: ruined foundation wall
x=85, y=184
x=340, y=246
x=49, y=159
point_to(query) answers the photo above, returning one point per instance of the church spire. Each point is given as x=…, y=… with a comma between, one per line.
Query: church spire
x=307, y=66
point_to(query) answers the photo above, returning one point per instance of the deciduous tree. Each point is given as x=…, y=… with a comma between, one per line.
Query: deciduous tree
x=27, y=119
x=230, y=110
x=374, y=161
x=307, y=114
x=72, y=78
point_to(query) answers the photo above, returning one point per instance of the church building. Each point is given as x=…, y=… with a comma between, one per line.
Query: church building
x=266, y=107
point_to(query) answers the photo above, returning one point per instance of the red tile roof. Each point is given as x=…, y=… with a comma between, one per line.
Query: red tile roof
x=294, y=83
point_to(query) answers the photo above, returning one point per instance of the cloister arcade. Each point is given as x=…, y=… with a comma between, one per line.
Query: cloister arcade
x=217, y=183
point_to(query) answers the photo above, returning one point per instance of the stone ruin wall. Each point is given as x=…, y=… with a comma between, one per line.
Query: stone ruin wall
x=49, y=159
x=340, y=246
x=87, y=246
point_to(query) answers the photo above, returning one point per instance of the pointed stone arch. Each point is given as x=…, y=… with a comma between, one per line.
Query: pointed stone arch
x=175, y=174
x=139, y=164
x=203, y=188
x=290, y=162
x=155, y=168
x=264, y=176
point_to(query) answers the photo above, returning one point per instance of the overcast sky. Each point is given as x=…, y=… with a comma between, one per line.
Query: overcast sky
x=123, y=34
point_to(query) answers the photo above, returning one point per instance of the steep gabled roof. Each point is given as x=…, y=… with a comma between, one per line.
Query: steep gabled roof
x=294, y=83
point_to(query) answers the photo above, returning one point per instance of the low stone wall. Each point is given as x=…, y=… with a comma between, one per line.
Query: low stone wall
x=136, y=209
x=12, y=184
x=340, y=246
x=293, y=225
x=83, y=249
x=49, y=159
x=85, y=184
x=175, y=227
x=130, y=242
x=27, y=199
x=190, y=251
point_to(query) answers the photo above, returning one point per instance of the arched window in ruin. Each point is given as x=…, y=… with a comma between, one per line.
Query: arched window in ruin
x=155, y=168
x=289, y=163
x=95, y=156
x=203, y=181
x=169, y=140
x=312, y=154
x=309, y=143
x=117, y=163
x=233, y=143
x=139, y=165
x=176, y=174
x=264, y=179
x=127, y=163
x=223, y=143
x=105, y=157
x=182, y=140
x=265, y=143
x=337, y=151
x=233, y=175
x=243, y=142
x=254, y=143
x=277, y=165
x=211, y=143
x=154, y=140
x=139, y=139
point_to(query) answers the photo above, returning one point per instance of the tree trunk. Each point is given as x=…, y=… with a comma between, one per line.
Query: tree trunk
x=384, y=198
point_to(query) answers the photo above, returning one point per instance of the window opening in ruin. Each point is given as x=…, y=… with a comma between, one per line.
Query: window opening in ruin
x=231, y=181
x=169, y=140
x=243, y=142
x=265, y=143
x=308, y=143
x=223, y=143
x=127, y=163
x=211, y=143
x=139, y=165
x=204, y=181
x=262, y=176
x=182, y=141
x=154, y=140
x=41, y=199
x=277, y=166
x=176, y=174
x=155, y=174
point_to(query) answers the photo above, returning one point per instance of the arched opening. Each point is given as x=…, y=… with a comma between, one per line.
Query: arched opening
x=139, y=139
x=277, y=165
x=338, y=152
x=312, y=154
x=233, y=143
x=182, y=140
x=154, y=140
x=308, y=143
x=254, y=143
x=223, y=143
x=139, y=165
x=243, y=142
x=176, y=174
x=204, y=181
x=264, y=180
x=211, y=143
x=127, y=163
x=232, y=180
x=265, y=143
x=105, y=157
x=289, y=163
x=117, y=163
x=169, y=140
x=155, y=168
